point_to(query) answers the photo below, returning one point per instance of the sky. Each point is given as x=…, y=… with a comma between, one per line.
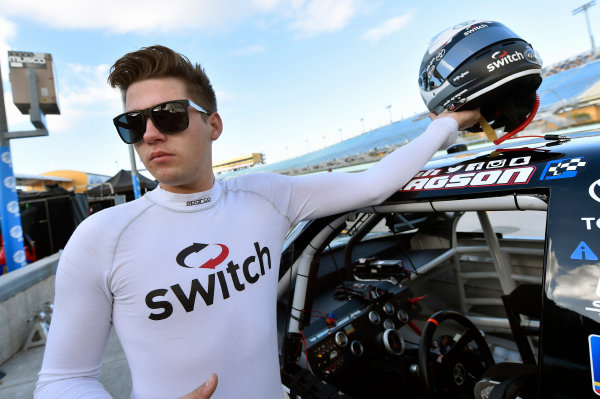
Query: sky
x=291, y=76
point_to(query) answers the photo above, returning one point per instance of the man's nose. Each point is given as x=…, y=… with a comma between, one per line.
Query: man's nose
x=152, y=134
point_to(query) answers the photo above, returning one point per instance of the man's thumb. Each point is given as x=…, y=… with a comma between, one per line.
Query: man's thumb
x=205, y=390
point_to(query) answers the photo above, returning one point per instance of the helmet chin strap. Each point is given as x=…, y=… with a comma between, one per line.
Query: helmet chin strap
x=487, y=129
x=522, y=126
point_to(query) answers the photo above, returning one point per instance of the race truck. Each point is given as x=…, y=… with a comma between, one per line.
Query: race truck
x=398, y=300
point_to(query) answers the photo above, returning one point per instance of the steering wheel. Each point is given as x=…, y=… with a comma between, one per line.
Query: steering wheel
x=453, y=367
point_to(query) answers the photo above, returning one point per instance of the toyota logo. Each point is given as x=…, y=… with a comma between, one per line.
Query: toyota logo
x=440, y=55
x=459, y=374
x=594, y=190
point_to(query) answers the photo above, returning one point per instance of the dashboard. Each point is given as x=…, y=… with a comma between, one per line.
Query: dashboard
x=364, y=339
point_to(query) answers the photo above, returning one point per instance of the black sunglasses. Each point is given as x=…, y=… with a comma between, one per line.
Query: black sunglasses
x=168, y=117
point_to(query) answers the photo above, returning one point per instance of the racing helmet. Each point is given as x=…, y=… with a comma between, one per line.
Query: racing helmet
x=481, y=64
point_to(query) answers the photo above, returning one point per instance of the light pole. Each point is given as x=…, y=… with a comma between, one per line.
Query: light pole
x=340, y=131
x=362, y=121
x=584, y=8
x=135, y=178
x=324, y=142
x=307, y=150
x=389, y=108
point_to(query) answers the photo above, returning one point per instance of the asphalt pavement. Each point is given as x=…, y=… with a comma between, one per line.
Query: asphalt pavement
x=22, y=369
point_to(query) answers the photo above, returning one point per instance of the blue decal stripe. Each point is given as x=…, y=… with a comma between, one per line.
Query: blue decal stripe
x=594, y=342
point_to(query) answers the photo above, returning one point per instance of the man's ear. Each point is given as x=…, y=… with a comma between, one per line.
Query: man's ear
x=216, y=125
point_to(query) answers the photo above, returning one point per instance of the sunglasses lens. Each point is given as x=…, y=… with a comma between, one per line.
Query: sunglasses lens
x=170, y=117
x=131, y=127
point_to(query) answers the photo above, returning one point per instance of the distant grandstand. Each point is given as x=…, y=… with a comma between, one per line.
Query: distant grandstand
x=565, y=65
x=569, y=95
x=239, y=163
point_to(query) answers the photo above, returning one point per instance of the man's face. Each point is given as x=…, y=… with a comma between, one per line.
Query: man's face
x=181, y=162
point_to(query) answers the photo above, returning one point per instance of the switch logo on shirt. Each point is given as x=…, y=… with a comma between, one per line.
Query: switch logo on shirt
x=208, y=256
x=195, y=248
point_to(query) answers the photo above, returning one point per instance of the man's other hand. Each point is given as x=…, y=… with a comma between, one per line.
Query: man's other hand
x=205, y=390
x=465, y=119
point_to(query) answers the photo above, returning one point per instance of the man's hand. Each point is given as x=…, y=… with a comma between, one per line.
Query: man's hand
x=205, y=390
x=465, y=119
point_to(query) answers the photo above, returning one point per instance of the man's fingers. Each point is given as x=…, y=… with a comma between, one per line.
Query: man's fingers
x=205, y=390
x=465, y=119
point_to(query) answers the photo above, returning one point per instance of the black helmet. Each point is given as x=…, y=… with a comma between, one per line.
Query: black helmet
x=481, y=64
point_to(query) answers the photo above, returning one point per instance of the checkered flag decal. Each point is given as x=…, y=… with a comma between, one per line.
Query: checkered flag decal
x=570, y=165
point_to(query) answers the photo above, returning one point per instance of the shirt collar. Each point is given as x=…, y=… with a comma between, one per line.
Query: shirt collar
x=193, y=202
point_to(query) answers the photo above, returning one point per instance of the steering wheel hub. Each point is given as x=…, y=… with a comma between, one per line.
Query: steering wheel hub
x=460, y=374
x=452, y=367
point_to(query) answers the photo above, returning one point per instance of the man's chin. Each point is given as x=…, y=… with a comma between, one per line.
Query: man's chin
x=165, y=177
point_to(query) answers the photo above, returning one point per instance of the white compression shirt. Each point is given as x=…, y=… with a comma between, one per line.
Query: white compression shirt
x=189, y=281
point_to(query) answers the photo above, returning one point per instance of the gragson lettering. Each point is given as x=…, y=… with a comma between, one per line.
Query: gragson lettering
x=503, y=59
x=476, y=174
x=206, y=289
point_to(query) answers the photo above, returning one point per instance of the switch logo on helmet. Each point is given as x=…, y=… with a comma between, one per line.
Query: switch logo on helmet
x=474, y=28
x=502, y=58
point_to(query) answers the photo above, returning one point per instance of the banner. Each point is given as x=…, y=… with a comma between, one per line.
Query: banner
x=12, y=232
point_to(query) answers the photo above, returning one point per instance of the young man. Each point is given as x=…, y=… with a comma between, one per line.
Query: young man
x=187, y=274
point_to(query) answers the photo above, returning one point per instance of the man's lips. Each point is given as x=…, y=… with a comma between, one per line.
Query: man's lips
x=158, y=155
